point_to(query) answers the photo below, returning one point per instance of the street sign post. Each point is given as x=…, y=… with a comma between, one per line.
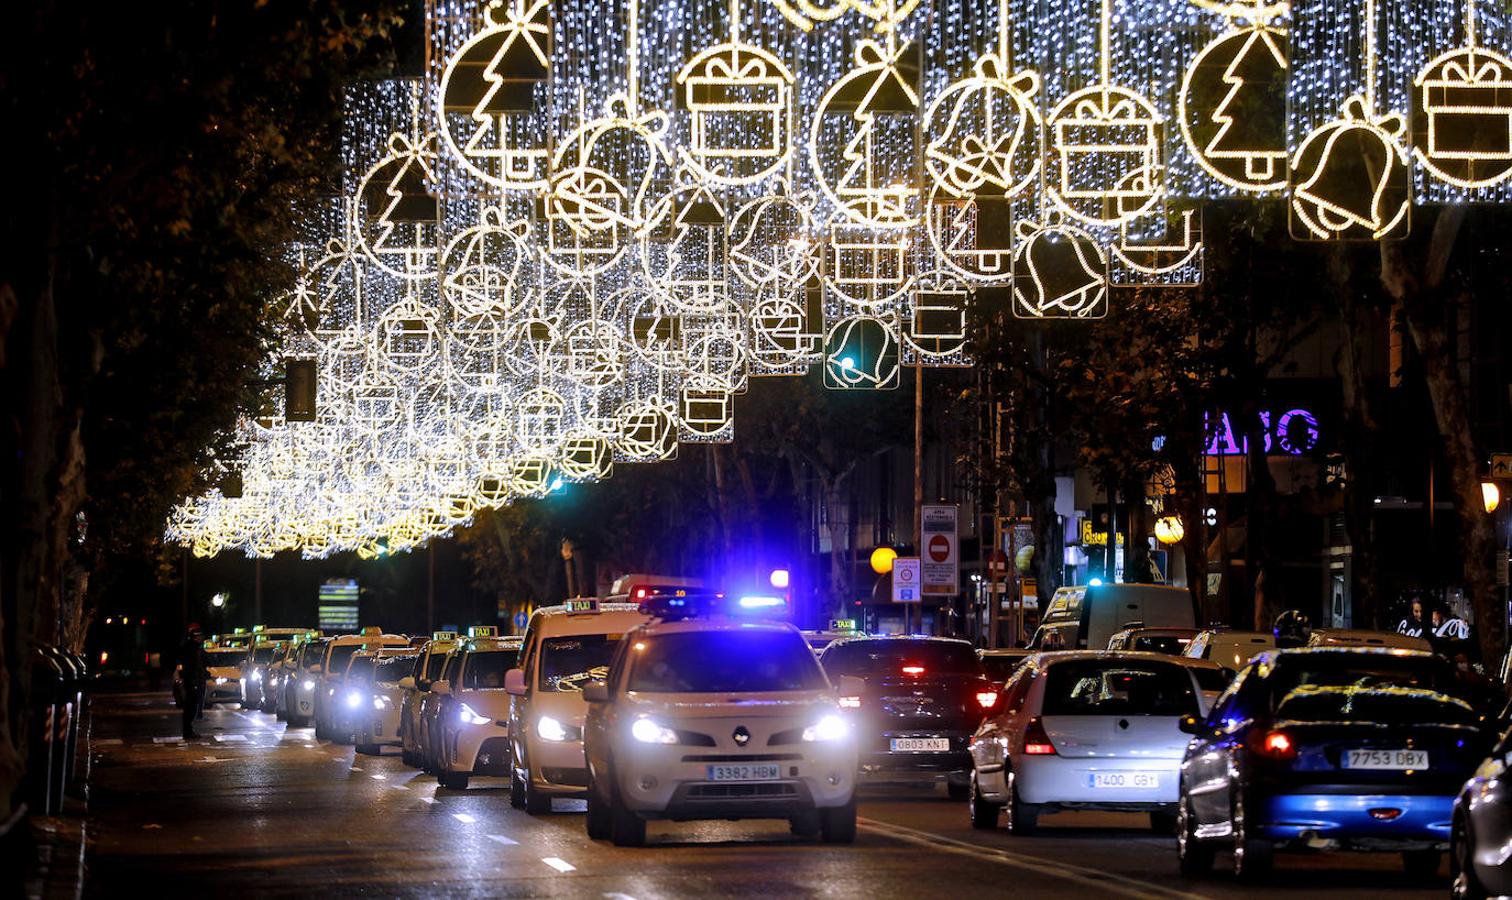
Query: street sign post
x=939, y=554
x=1501, y=465
x=906, y=580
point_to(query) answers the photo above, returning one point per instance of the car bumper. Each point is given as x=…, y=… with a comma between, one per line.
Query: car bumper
x=230, y=692
x=557, y=767
x=672, y=782
x=1069, y=781
x=481, y=750
x=881, y=763
x=1357, y=821
x=381, y=728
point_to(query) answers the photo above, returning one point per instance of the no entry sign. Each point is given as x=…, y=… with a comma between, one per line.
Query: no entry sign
x=939, y=570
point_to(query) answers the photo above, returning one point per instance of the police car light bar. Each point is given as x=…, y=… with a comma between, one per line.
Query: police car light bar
x=684, y=605
x=757, y=601
x=476, y=631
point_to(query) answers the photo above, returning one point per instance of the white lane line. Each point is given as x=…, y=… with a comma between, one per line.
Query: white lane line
x=399, y=787
x=430, y=800
x=464, y=818
x=499, y=838
x=1093, y=878
x=561, y=865
x=231, y=738
x=379, y=777
x=356, y=769
x=168, y=740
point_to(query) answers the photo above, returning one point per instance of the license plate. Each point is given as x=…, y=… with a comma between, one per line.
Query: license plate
x=745, y=772
x=1116, y=780
x=1386, y=759
x=920, y=745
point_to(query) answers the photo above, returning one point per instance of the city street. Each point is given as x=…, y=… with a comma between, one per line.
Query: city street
x=255, y=809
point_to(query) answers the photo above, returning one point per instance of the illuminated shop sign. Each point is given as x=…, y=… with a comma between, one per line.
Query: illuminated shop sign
x=1292, y=433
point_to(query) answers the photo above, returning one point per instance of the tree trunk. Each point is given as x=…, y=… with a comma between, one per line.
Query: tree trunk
x=1360, y=453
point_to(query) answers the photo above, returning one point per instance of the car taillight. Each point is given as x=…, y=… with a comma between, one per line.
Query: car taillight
x=986, y=699
x=1276, y=745
x=913, y=670
x=1037, y=740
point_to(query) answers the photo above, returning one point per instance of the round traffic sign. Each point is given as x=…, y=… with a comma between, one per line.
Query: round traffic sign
x=939, y=548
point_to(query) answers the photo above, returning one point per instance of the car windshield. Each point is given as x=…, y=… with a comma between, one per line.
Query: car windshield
x=1001, y=668
x=1114, y=687
x=311, y=654
x=263, y=655
x=724, y=662
x=390, y=669
x=1368, y=687
x=361, y=669
x=567, y=663
x=227, y=657
x=486, y=668
x=865, y=659
x=339, y=656
x=433, y=664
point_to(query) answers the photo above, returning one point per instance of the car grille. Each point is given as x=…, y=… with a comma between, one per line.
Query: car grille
x=741, y=757
x=728, y=791
x=567, y=776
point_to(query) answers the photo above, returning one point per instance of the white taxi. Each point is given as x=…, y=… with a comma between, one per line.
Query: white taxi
x=223, y=668
x=706, y=714
x=471, y=731
x=375, y=697
x=416, y=688
x=332, y=669
x=565, y=648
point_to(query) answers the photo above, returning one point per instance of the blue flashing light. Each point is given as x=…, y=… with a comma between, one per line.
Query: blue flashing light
x=1094, y=582
x=780, y=579
x=758, y=601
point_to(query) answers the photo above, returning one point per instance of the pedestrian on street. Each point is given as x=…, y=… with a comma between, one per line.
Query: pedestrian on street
x=191, y=657
x=1413, y=625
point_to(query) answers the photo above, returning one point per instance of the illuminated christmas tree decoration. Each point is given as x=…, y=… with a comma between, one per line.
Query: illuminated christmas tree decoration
x=1059, y=272
x=1232, y=103
x=1106, y=145
x=488, y=92
x=1462, y=122
x=396, y=215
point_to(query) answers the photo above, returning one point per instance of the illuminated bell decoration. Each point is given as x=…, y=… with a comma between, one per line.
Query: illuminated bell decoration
x=861, y=352
x=1060, y=272
x=1352, y=178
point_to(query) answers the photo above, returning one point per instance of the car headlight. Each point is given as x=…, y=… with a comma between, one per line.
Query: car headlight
x=308, y=685
x=648, y=732
x=829, y=728
x=469, y=716
x=353, y=699
x=380, y=702
x=220, y=680
x=551, y=730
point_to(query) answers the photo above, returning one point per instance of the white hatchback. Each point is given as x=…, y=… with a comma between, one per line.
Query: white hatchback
x=1085, y=730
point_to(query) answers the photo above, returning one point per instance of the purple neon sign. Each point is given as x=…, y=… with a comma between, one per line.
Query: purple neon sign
x=1293, y=433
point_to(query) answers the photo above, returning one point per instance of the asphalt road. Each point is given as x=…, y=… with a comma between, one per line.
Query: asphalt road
x=255, y=809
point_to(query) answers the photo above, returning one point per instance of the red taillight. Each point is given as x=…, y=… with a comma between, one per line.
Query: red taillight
x=913, y=670
x=1277, y=745
x=1037, y=740
x=986, y=699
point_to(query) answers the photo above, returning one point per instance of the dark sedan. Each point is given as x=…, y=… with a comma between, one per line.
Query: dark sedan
x=1337, y=748
x=924, y=698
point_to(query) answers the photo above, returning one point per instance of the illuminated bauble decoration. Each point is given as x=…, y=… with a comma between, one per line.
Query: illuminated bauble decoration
x=408, y=336
x=531, y=477
x=397, y=217
x=781, y=334
x=1352, y=178
x=586, y=458
x=540, y=420
x=483, y=267
x=1232, y=108
x=1060, y=272
x=773, y=242
x=740, y=99
x=882, y=560
x=861, y=352
x=647, y=432
x=1462, y=125
x=1105, y=160
x=590, y=353
x=489, y=89
x=984, y=133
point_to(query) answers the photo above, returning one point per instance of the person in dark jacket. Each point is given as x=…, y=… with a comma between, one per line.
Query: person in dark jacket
x=191, y=657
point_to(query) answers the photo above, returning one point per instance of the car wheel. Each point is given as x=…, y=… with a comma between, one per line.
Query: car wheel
x=958, y=785
x=516, y=791
x=537, y=803
x=806, y=825
x=984, y=813
x=1422, y=863
x=626, y=829
x=598, y=815
x=1461, y=863
x=1253, y=856
x=1163, y=822
x=1023, y=818
x=1194, y=857
x=837, y=824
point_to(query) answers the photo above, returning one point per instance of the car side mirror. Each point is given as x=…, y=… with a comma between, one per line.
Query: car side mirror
x=1190, y=724
x=593, y=691
x=1229, y=674
x=316, y=669
x=514, y=682
x=441, y=688
x=407, y=683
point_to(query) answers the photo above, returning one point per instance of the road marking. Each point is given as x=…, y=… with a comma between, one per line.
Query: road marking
x=464, y=818
x=399, y=787
x=231, y=738
x=561, y=865
x=1093, y=878
x=167, y=740
x=379, y=777
x=503, y=840
x=430, y=800
x=108, y=742
x=356, y=769
x=209, y=759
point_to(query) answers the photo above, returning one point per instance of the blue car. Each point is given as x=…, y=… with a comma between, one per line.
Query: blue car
x=1329, y=748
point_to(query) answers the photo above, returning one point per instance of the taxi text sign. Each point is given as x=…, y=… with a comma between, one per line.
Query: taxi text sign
x=905, y=580
x=939, y=558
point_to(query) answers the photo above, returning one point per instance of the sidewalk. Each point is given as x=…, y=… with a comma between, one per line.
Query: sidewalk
x=57, y=859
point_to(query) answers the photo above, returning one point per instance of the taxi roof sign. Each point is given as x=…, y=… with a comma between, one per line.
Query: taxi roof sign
x=443, y=635
x=258, y=628
x=582, y=605
x=475, y=631
x=842, y=625
x=371, y=631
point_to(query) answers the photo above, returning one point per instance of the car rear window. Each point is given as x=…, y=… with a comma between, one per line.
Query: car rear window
x=1001, y=668
x=866, y=659
x=485, y=669
x=391, y=669
x=1169, y=644
x=568, y=663
x=1110, y=687
x=1380, y=705
x=724, y=662
x=1349, y=685
x=1215, y=680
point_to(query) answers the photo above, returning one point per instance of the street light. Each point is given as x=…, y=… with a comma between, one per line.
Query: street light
x=1490, y=496
x=882, y=560
x=1169, y=530
x=218, y=601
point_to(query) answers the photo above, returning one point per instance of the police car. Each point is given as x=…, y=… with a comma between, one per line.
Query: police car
x=565, y=648
x=714, y=712
x=416, y=687
x=470, y=735
x=332, y=669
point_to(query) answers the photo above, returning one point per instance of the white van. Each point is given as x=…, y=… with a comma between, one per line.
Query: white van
x=1087, y=616
x=1230, y=648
